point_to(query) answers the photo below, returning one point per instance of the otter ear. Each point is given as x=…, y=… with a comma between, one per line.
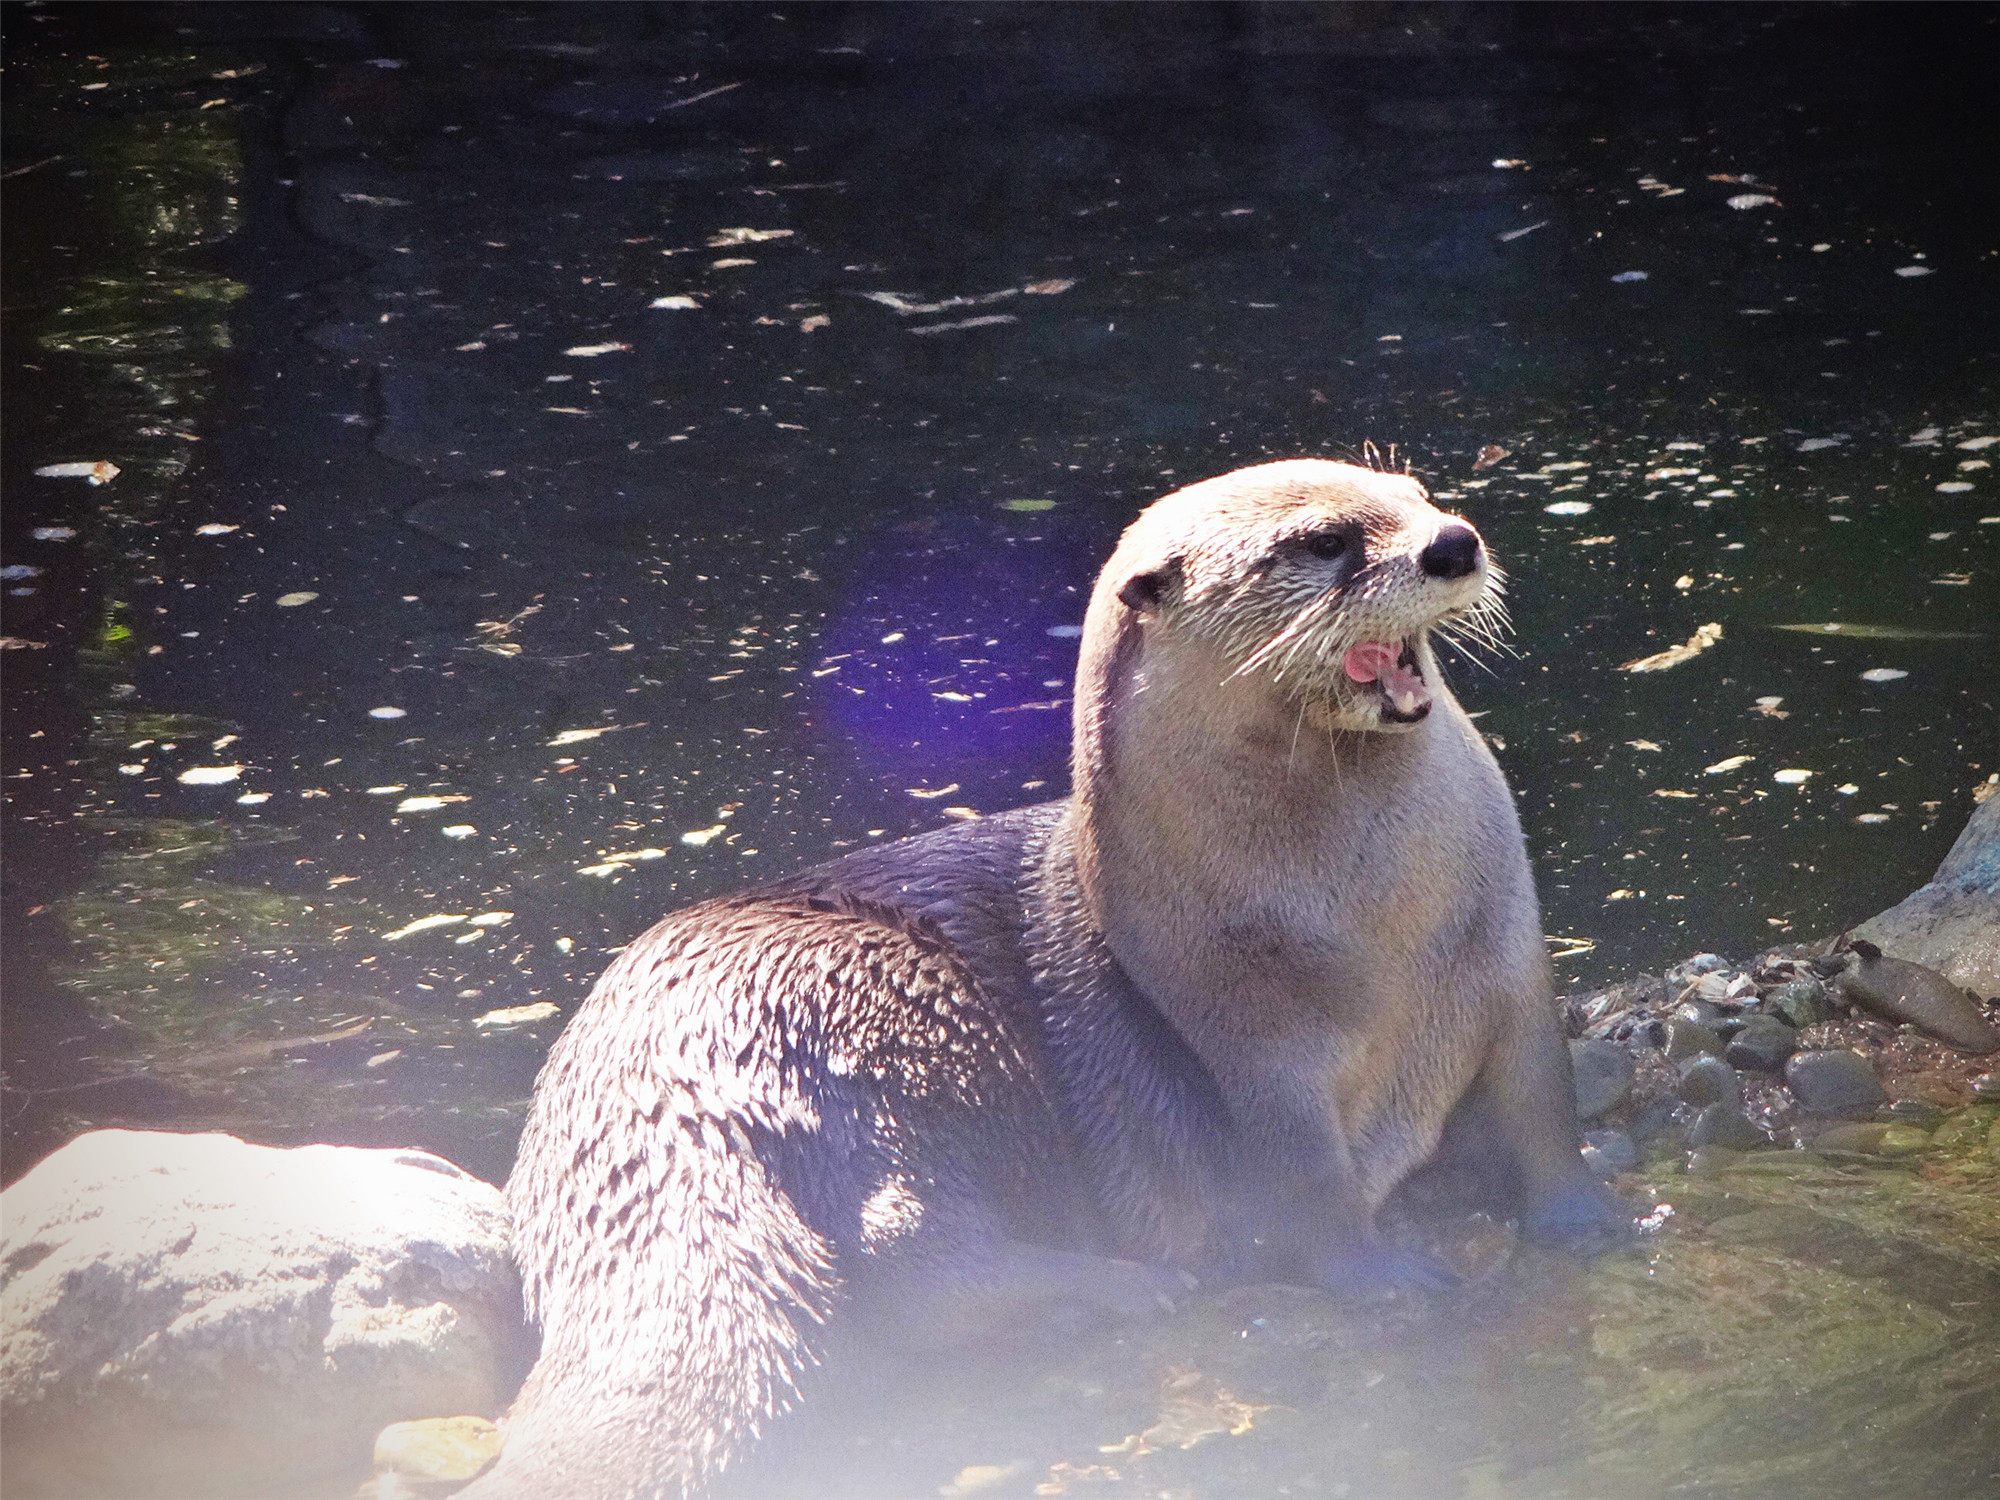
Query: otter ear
x=1145, y=590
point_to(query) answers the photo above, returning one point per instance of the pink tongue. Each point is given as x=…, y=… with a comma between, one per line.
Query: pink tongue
x=1369, y=660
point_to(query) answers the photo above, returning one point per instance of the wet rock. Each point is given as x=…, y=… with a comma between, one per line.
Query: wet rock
x=1614, y=1150
x=1705, y=1160
x=1800, y=1003
x=1706, y=1080
x=1833, y=1082
x=1904, y=1140
x=1986, y=1086
x=1780, y=1163
x=436, y=1451
x=1697, y=1012
x=1915, y=995
x=1658, y=1119
x=1964, y=1131
x=1603, y=1072
x=1952, y=924
x=1687, y=1039
x=1865, y=1139
x=1725, y=1125
x=244, y=1319
x=1912, y=1112
x=1762, y=1045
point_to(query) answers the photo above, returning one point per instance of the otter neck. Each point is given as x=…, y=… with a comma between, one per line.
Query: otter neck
x=1215, y=785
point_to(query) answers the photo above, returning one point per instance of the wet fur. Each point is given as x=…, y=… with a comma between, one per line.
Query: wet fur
x=1207, y=1013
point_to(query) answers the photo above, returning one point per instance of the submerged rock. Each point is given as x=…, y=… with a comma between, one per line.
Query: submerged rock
x=1707, y=1080
x=1833, y=1082
x=195, y=1315
x=1763, y=1044
x=1725, y=1125
x=1604, y=1073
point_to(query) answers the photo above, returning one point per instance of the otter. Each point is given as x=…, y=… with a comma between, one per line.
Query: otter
x=1278, y=949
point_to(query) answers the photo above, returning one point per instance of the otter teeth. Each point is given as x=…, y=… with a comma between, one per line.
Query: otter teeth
x=1394, y=670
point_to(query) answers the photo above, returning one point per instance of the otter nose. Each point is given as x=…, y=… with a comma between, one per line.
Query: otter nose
x=1453, y=553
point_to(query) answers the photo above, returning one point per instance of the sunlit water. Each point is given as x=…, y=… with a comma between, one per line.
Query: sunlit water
x=552, y=491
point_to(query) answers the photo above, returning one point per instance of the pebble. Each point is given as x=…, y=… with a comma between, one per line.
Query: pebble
x=1687, y=1039
x=1706, y=1080
x=1725, y=1125
x=1904, y=1140
x=1833, y=1082
x=1613, y=1147
x=1866, y=1139
x=1800, y=1002
x=1603, y=1073
x=1763, y=1044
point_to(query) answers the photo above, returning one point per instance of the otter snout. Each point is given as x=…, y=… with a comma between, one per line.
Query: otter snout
x=1453, y=552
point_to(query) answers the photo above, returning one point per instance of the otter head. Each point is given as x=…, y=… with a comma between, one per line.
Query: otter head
x=1324, y=581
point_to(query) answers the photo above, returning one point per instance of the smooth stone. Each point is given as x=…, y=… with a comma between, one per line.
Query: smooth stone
x=1706, y=1159
x=1950, y=924
x=1764, y=1045
x=1917, y=995
x=1614, y=1147
x=1603, y=1073
x=1800, y=1002
x=1690, y=1039
x=1904, y=1140
x=1865, y=1139
x=1698, y=1011
x=1833, y=1082
x=1911, y=1112
x=1725, y=1125
x=438, y=1450
x=1707, y=1080
x=1986, y=1086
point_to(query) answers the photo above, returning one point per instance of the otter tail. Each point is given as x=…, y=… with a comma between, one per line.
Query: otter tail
x=676, y=1283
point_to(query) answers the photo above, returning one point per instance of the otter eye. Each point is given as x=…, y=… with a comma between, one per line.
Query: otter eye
x=1325, y=543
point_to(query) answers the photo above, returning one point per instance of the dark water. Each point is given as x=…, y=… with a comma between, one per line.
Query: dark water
x=576, y=460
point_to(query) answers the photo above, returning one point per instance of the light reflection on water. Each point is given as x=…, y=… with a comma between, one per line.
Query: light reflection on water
x=779, y=567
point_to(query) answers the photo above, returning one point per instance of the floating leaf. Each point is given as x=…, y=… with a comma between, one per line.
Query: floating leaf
x=1673, y=656
x=700, y=837
x=591, y=351
x=1883, y=674
x=103, y=471
x=676, y=303
x=1861, y=632
x=424, y=924
x=208, y=775
x=517, y=1015
x=429, y=804
x=1027, y=507
x=927, y=795
x=1792, y=776
x=293, y=601
x=1727, y=765
x=1569, y=508
x=216, y=528
x=388, y=711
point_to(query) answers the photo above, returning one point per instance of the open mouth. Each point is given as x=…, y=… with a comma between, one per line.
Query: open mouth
x=1393, y=668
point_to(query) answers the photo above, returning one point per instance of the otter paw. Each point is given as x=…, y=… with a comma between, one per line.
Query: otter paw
x=1369, y=1272
x=1581, y=1216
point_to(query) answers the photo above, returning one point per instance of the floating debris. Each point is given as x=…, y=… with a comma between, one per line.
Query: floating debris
x=1515, y=234
x=1768, y=707
x=1674, y=792
x=293, y=601
x=814, y=323
x=1490, y=455
x=1673, y=656
x=458, y=831
x=722, y=239
x=1880, y=632
x=1792, y=776
x=1027, y=507
x=216, y=528
x=15, y=571
x=1569, y=508
x=1750, y=200
x=430, y=804
x=926, y=795
x=249, y=799
x=208, y=775
x=1508, y=163
x=517, y=1015
x=679, y=303
x=388, y=711
x=1883, y=674
x=493, y=919
x=578, y=736
x=1727, y=765
x=591, y=351
x=1064, y=632
x=1813, y=445
x=963, y=814
x=424, y=924
x=1630, y=276
x=1915, y=270
x=1954, y=487
x=103, y=471
x=953, y=697
x=699, y=837
x=1977, y=444
x=980, y=322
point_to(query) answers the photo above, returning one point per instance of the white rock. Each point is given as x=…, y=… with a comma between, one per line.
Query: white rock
x=193, y=1315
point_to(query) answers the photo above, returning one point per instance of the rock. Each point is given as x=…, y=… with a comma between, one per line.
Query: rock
x=1904, y=1140
x=243, y=1319
x=1614, y=1149
x=1866, y=1139
x=1780, y=1163
x=1603, y=1073
x=1953, y=923
x=1962, y=1132
x=1800, y=1003
x=1700, y=1012
x=1706, y=1080
x=1687, y=1039
x=1986, y=1086
x=1915, y=995
x=1762, y=1045
x=437, y=1450
x=1912, y=1112
x=1725, y=1125
x=1656, y=1119
x=1706, y=1159
x=1683, y=974
x=1833, y=1082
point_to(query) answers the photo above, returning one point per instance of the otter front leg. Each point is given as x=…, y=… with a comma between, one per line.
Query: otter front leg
x=1525, y=1093
x=1297, y=1211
